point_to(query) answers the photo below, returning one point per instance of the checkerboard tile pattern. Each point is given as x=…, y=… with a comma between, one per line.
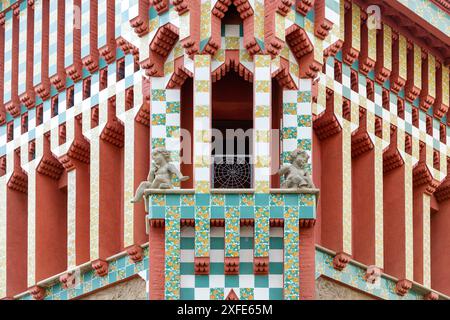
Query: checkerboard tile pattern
x=216, y=285
x=118, y=269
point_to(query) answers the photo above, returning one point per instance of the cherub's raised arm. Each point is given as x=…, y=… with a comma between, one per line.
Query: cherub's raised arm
x=151, y=175
x=284, y=169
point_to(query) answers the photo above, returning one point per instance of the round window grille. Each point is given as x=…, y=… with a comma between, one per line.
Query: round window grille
x=232, y=172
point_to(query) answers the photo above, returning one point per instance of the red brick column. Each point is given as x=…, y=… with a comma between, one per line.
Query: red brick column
x=156, y=256
x=307, y=261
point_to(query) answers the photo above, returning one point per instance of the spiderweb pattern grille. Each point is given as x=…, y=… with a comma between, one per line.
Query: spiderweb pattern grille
x=232, y=172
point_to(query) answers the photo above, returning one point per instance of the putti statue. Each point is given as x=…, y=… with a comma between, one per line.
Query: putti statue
x=295, y=174
x=160, y=175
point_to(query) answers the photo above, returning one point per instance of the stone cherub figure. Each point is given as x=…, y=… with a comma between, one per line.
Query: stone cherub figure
x=295, y=173
x=160, y=175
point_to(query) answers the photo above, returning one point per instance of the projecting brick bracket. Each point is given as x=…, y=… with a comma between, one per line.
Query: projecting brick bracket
x=231, y=265
x=261, y=265
x=431, y=296
x=201, y=265
x=373, y=273
x=340, y=261
x=402, y=287
x=67, y=280
x=135, y=253
x=100, y=267
x=37, y=292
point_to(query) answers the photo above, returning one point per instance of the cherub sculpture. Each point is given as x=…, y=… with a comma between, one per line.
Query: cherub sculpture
x=160, y=175
x=295, y=173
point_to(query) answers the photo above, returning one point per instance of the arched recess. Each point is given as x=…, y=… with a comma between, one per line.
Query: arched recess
x=232, y=112
x=219, y=12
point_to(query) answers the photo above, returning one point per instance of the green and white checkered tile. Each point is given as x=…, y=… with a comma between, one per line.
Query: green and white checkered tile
x=246, y=285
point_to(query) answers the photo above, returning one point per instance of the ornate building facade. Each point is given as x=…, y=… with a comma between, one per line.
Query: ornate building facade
x=88, y=89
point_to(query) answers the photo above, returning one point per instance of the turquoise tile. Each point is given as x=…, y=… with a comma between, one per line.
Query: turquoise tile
x=232, y=199
x=217, y=212
x=261, y=199
x=187, y=293
x=187, y=268
x=187, y=212
x=231, y=281
x=276, y=212
x=202, y=281
x=187, y=243
x=157, y=212
x=276, y=243
x=291, y=199
x=261, y=281
x=202, y=200
x=276, y=267
x=275, y=293
x=247, y=212
x=112, y=277
x=246, y=268
x=307, y=212
x=217, y=243
x=129, y=271
x=173, y=199
x=246, y=242
x=216, y=268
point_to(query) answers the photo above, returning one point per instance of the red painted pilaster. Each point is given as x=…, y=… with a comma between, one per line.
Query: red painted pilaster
x=307, y=261
x=156, y=256
x=16, y=238
x=363, y=187
x=51, y=217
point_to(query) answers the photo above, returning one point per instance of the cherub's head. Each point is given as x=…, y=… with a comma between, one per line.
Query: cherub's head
x=299, y=158
x=161, y=156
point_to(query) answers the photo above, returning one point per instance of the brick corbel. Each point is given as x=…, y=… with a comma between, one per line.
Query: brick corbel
x=232, y=295
x=366, y=64
x=431, y=296
x=440, y=107
x=161, y=6
x=49, y=165
x=18, y=180
x=349, y=54
x=135, y=253
x=402, y=287
x=397, y=82
x=261, y=265
x=160, y=47
x=201, y=265
x=181, y=6
x=303, y=6
x=108, y=51
x=283, y=76
x=373, y=273
x=442, y=193
x=58, y=80
x=100, y=267
x=67, y=280
x=391, y=157
x=232, y=62
x=231, y=265
x=322, y=26
x=37, y=292
x=140, y=22
x=422, y=177
x=361, y=142
x=382, y=73
x=179, y=75
x=79, y=150
x=157, y=223
x=327, y=125
x=411, y=91
x=114, y=131
x=340, y=261
x=426, y=100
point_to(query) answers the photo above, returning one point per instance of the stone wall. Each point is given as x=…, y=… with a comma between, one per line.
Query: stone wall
x=133, y=289
x=327, y=289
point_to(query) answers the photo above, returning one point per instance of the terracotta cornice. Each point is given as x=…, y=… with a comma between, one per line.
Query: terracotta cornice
x=412, y=26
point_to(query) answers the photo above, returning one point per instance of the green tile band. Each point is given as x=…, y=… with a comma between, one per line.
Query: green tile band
x=232, y=232
x=291, y=257
x=172, y=254
x=202, y=230
x=262, y=224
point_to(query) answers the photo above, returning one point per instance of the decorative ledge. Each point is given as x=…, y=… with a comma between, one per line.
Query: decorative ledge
x=148, y=192
x=232, y=191
x=295, y=191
